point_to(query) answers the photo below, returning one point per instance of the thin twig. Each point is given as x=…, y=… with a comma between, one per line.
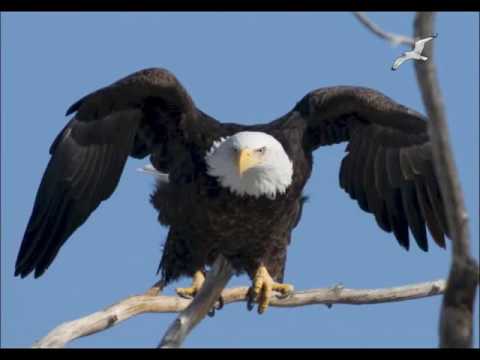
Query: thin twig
x=394, y=39
x=456, y=318
x=140, y=304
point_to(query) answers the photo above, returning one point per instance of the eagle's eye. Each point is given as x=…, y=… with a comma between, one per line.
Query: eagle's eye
x=261, y=150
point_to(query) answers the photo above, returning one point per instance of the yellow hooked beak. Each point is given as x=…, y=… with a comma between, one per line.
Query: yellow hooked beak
x=245, y=160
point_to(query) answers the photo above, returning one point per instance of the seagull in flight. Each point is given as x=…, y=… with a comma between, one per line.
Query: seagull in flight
x=415, y=54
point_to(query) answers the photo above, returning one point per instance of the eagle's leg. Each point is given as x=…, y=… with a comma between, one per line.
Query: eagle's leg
x=156, y=288
x=197, y=282
x=262, y=288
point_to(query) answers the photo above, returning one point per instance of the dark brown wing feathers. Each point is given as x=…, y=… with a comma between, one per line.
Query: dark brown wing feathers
x=388, y=167
x=83, y=171
x=89, y=154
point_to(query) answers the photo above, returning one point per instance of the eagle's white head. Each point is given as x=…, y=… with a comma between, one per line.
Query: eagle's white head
x=250, y=163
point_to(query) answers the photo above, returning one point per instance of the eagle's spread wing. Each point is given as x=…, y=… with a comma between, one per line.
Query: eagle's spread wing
x=399, y=61
x=388, y=168
x=88, y=156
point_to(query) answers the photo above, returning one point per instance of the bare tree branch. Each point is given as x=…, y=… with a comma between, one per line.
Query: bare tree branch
x=456, y=318
x=140, y=304
x=394, y=39
x=209, y=293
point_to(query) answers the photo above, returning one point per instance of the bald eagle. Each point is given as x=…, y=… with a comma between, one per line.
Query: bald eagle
x=232, y=189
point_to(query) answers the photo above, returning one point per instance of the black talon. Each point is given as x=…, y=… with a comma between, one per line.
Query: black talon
x=211, y=313
x=220, y=303
x=250, y=304
x=260, y=312
x=188, y=297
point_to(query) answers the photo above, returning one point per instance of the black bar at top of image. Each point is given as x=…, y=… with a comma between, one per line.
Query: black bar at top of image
x=231, y=5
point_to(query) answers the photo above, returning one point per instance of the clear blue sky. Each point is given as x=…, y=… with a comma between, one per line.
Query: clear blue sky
x=241, y=67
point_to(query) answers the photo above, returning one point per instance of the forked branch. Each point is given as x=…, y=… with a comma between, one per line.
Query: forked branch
x=211, y=290
x=456, y=318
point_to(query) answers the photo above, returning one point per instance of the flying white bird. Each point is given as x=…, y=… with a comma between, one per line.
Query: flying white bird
x=415, y=54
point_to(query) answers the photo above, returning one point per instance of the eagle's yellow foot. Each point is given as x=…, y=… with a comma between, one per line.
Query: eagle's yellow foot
x=262, y=288
x=197, y=282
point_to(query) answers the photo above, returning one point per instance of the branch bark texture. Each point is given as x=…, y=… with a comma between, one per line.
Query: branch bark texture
x=456, y=318
x=140, y=304
x=209, y=293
